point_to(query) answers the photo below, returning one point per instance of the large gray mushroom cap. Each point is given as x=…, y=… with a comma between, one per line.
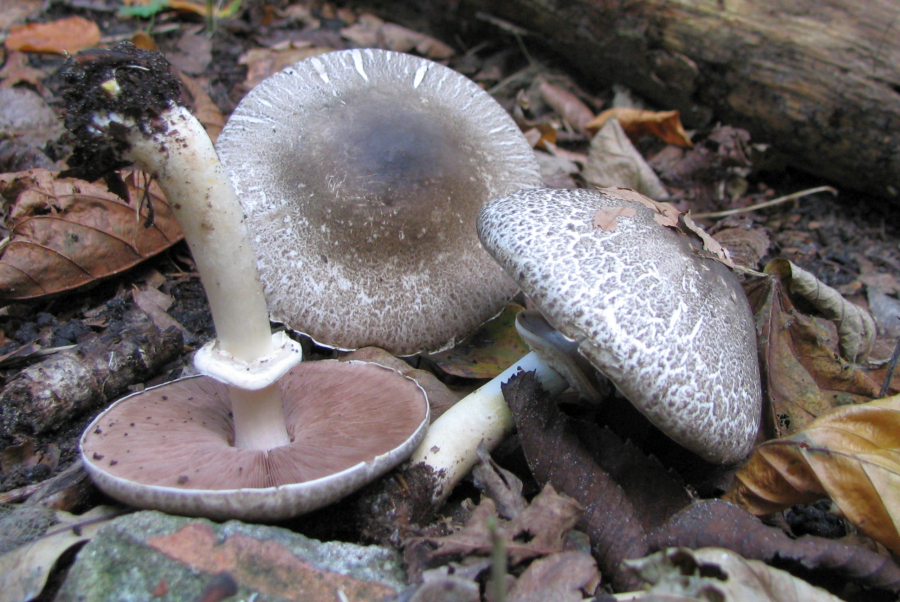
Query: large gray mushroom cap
x=669, y=326
x=362, y=173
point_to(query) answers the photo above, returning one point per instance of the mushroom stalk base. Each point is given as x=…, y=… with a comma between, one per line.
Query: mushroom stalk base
x=449, y=447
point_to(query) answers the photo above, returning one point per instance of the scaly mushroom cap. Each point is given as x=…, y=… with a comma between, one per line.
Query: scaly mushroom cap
x=362, y=173
x=671, y=328
x=171, y=447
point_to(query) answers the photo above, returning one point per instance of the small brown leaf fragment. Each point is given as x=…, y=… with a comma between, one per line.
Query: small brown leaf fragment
x=567, y=105
x=714, y=523
x=16, y=70
x=563, y=577
x=746, y=246
x=605, y=218
x=72, y=35
x=666, y=213
x=851, y=455
x=556, y=456
x=665, y=125
x=710, y=244
x=499, y=484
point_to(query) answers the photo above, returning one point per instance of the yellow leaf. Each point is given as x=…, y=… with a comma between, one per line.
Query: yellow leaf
x=851, y=455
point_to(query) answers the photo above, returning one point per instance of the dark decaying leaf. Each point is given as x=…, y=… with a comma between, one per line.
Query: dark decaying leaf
x=499, y=484
x=803, y=377
x=714, y=523
x=538, y=530
x=66, y=233
x=555, y=456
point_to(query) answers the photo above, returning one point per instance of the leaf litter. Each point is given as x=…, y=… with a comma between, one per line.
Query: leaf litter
x=715, y=171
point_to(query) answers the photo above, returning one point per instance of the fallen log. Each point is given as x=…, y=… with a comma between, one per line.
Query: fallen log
x=819, y=80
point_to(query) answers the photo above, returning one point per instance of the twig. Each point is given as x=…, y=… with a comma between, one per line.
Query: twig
x=779, y=200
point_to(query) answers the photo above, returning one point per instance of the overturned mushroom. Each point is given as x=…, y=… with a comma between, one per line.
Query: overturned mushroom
x=122, y=109
x=646, y=305
x=651, y=309
x=362, y=173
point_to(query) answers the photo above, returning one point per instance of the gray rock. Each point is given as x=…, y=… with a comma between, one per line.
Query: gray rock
x=126, y=562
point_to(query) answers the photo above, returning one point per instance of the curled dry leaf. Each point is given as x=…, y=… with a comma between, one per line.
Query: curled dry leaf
x=66, y=233
x=804, y=377
x=665, y=125
x=856, y=327
x=718, y=574
x=563, y=577
x=370, y=31
x=710, y=244
x=851, y=455
x=69, y=35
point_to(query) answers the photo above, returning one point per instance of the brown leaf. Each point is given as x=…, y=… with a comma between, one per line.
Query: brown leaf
x=538, y=530
x=605, y=218
x=555, y=456
x=203, y=108
x=803, y=376
x=66, y=233
x=498, y=484
x=714, y=523
x=665, y=125
x=71, y=35
x=851, y=455
x=370, y=31
x=710, y=244
x=263, y=62
x=567, y=105
x=563, y=577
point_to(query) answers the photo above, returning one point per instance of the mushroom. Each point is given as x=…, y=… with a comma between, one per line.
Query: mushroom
x=362, y=173
x=122, y=109
x=646, y=304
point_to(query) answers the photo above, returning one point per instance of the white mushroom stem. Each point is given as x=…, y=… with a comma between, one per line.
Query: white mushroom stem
x=185, y=164
x=449, y=447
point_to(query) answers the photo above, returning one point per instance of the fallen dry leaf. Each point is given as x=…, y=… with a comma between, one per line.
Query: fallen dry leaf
x=567, y=105
x=804, y=377
x=665, y=125
x=745, y=245
x=263, y=62
x=66, y=233
x=24, y=568
x=72, y=34
x=23, y=455
x=719, y=574
x=538, y=530
x=710, y=244
x=203, y=108
x=614, y=161
x=16, y=70
x=605, y=218
x=856, y=327
x=851, y=455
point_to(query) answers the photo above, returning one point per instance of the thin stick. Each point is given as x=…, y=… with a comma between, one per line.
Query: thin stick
x=779, y=200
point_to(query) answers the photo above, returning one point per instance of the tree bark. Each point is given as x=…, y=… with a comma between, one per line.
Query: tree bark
x=818, y=79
